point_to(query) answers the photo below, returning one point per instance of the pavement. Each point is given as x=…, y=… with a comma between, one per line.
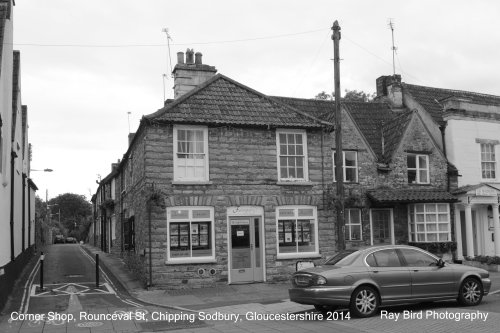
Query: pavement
x=257, y=296
x=265, y=307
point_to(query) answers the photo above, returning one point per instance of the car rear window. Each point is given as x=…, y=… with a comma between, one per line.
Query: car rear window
x=344, y=258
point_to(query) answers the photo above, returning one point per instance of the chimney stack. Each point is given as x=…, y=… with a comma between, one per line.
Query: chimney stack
x=190, y=74
x=391, y=89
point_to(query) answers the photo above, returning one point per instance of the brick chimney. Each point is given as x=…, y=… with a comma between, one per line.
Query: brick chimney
x=190, y=73
x=390, y=88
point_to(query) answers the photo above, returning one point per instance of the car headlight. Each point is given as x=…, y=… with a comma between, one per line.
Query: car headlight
x=320, y=280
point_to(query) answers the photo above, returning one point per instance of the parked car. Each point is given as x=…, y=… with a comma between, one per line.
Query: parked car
x=363, y=280
x=59, y=239
x=71, y=240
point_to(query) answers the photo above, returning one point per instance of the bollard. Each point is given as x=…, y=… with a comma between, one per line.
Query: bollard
x=42, y=257
x=97, y=270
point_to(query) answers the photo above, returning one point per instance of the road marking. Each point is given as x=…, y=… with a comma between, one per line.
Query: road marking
x=74, y=304
x=26, y=299
x=70, y=288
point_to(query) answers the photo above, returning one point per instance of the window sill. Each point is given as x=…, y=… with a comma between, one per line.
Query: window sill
x=419, y=184
x=295, y=183
x=284, y=256
x=191, y=182
x=190, y=261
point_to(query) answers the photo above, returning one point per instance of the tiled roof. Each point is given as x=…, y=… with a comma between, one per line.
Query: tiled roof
x=221, y=100
x=323, y=109
x=430, y=98
x=393, y=132
x=373, y=119
x=409, y=195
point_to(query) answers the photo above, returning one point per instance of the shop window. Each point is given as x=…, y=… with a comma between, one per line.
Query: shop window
x=190, y=234
x=297, y=231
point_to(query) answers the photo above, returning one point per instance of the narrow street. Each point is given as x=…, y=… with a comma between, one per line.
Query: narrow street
x=71, y=300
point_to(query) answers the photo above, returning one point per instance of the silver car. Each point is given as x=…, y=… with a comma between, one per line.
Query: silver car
x=365, y=279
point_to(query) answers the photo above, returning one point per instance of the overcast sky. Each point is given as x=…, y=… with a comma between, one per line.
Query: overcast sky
x=86, y=64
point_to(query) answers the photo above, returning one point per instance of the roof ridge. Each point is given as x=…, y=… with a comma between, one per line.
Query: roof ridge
x=453, y=90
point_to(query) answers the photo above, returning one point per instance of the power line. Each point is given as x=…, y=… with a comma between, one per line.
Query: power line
x=163, y=45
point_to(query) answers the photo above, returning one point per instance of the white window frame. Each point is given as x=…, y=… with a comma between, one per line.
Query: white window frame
x=348, y=224
x=176, y=176
x=344, y=167
x=412, y=220
x=297, y=254
x=191, y=219
x=304, y=152
x=493, y=161
x=417, y=168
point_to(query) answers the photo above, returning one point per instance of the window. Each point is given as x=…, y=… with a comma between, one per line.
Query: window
x=190, y=153
x=353, y=224
x=349, y=167
x=190, y=234
x=418, y=169
x=292, y=155
x=384, y=258
x=297, y=231
x=415, y=258
x=129, y=234
x=488, y=161
x=429, y=222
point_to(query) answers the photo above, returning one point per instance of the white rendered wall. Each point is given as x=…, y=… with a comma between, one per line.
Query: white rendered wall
x=464, y=152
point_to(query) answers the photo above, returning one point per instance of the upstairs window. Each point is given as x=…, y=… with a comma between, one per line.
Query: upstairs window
x=190, y=153
x=292, y=155
x=349, y=166
x=418, y=169
x=488, y=161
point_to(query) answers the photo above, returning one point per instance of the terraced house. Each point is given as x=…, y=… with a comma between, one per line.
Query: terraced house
x=227, y=185
x=466, y=125
x=17, y=190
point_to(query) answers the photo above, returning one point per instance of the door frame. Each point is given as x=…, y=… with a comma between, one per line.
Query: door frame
x=246, y=211
x=391, y=224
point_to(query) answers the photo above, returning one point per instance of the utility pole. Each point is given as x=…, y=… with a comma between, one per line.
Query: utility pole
x=339, y=174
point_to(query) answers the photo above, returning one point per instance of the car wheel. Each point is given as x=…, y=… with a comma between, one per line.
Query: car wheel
x=470, y=292
x=325, y=308
x=364, y=302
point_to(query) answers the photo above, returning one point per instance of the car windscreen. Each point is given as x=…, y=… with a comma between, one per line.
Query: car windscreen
x=344, y=258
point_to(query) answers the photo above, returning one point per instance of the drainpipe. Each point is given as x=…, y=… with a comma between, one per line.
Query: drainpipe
x=23, y=236
x=13, y=156
x=150, y=245
x=443, y=130
x=29, y=214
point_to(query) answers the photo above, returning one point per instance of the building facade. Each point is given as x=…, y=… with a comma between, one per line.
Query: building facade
x=227, y=185
x=467, y=127
x=17, y=190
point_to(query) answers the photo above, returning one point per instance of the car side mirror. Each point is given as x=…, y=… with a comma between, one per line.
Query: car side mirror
x=440, y=263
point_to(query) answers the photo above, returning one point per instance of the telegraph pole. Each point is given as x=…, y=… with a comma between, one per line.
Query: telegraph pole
x=339, y=174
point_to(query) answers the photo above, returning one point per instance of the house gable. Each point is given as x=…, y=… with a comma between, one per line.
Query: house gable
x=223, y=101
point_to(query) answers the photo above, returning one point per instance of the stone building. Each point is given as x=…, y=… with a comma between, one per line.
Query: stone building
x=227, y=185
x=466, y=125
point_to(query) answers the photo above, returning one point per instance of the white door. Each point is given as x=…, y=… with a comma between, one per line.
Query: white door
x=245, y=249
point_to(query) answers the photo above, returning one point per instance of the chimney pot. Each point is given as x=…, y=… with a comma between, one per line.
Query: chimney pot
x=189, y=56
x=197, y=58
x=180, y=57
